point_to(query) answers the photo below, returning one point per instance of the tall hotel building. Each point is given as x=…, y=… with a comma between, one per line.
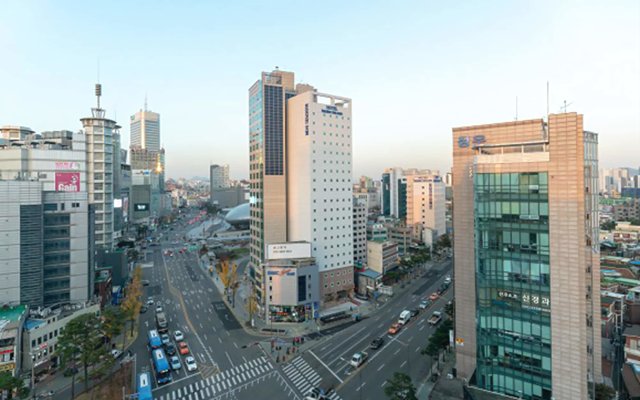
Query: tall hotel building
x=527, y=257
x=99, y=132
x=145, y=130
x=300, y=172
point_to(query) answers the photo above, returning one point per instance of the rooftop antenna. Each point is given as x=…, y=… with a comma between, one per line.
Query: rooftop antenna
x=145, y=102
x=565, y=106
x=98, y=85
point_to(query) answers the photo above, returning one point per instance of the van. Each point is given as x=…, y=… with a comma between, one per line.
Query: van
x=405, y=316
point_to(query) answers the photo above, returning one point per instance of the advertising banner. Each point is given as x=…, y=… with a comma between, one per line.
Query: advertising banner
x=73, y=165
x=288, y=250
x=67, y=182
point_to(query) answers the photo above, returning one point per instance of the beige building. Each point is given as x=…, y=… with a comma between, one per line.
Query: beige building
x=382, y=255
x=426, y=206
x=527, y=257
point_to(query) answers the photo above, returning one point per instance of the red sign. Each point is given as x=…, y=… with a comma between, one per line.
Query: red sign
x=67, y=181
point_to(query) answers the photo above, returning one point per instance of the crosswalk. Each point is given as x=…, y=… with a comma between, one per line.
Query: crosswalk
x=304, y=377
x=222, y=382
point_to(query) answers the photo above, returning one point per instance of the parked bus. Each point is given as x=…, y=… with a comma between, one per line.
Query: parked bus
x=161, y=367
x=144, y=386
x=154, y=340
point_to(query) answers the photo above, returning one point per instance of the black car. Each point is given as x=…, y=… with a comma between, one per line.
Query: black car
x=376, y=343
x=143, y=309
x=415, y=311
x=170, y=349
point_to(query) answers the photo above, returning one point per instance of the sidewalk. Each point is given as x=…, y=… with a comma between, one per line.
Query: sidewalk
x=444, y=388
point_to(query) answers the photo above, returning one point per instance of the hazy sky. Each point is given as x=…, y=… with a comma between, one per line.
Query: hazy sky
x=413, y=69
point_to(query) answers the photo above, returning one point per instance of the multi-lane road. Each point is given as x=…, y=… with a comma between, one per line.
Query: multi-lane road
x=232, y=363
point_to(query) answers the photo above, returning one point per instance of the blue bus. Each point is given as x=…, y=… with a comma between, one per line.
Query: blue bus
x=161, y=366
x=144, y=386
x=154, y=340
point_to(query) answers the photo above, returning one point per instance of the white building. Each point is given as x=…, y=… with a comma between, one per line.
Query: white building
x=99, y=134
x=219, y=176
x=360, y=212
x=145, y=130
x=426, y=206
x=319, y=206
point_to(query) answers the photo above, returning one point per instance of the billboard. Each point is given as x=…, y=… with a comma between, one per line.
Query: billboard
x=141, y=207
x=280, y=251
x=125, y=208
x=117, y=203
x=67, y=182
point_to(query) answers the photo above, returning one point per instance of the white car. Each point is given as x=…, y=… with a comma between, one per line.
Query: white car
x=191, y=364
x=159, y=309
x=178, y=336
x=116, y=353
x=150, y=301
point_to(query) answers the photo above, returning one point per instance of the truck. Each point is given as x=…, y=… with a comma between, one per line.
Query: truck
x=161, y=322
x=358, y=359
x=435, y=318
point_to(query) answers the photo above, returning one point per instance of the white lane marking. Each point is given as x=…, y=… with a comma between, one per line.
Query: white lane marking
x=403, y=363
x=380, y=367
x=417, y=349
x=231, y=362
x=326, y=366
x=360, y=387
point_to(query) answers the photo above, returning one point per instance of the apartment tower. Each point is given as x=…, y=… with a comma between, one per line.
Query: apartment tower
x=426, y=207
x=145, y=130
x=526, y=254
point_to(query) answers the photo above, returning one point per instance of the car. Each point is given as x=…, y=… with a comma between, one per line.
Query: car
x=377, y=343
x=183, y=348
x=175, y=363
x=150, y=301
x=434, y=296
x=115, y=353
x=145, y=282
x=165, y=338
x=191, y=364
x=415, y=311
x=178, y=336
x=159, y=309
x=425, y=303
x=393, y=329
x=447, y=280
x=143, y=309
x=315, y=394
x=170, y=349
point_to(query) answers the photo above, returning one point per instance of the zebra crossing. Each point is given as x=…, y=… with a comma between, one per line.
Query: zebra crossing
x=222, y=382
x=304, y=377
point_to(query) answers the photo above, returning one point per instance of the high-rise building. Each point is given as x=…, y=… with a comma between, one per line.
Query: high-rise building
x=267, y=169
x=394, y=190
x=145, y=130
x=426, y=206
x=219, y=176
x=320, y=201
x=98, y=131
x=527, y=275
x=360, y=212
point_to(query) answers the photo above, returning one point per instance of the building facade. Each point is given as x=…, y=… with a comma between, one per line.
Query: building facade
x=360, y=213
x=267, y=170
x=320, y=202
x=219, y=176
x=426, y=205
x=98, y=131
x=382, y=256
x=145, y=130
x=527, y=257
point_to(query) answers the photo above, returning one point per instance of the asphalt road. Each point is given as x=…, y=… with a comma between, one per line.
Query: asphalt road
x=327, y=364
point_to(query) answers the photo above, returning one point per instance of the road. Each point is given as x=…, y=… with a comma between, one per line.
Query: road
x=230, y=361
x=327, y=363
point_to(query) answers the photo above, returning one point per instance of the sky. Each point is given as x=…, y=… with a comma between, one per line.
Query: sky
x=413, y=70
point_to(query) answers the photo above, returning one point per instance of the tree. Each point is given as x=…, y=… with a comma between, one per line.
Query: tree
x=604, y=392
x=80, y=344
x=400, y=387
x=113, y=320
x=608, y=226
x=439, y=340
x=450, y=309
x=11, y=384
x=133, y=301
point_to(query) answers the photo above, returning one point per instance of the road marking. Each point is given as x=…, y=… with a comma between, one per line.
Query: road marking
x=397, y=351
x=403, y=363
x=229, y=358
x=219, y=340
x=325, y=365
x=234, y=343
x=383, y=383
x=380, y=367
x=360, y=387
x=417, y=349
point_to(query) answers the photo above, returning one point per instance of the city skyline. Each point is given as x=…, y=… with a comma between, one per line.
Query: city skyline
x=441, y=68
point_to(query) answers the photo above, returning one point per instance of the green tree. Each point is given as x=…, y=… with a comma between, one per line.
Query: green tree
x=113, y=320
x=400, y=387
x=608, y=226
x=438, y=341
x=450, y=309
x=11, y=384
x=80, y=345
x=604, y=392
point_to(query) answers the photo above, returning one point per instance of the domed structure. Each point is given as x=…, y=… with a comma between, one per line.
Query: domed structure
x=238, y=216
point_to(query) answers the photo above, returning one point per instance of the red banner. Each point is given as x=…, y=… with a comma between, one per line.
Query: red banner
x=67, y=181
